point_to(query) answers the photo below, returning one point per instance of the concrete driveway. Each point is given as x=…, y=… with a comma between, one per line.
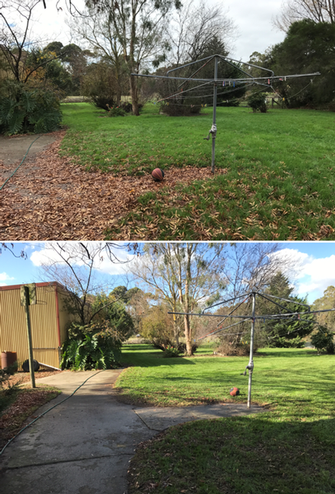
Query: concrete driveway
x=84, y=445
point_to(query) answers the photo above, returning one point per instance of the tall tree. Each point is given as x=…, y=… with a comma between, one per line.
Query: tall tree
x=186, y=276
x=297, y=10
x=308, y=47
x=195, y=28
x=327, y=301
x=74, y=265
x=15, y=43
x=128, y=31
x=287, y=331
x=252, y=266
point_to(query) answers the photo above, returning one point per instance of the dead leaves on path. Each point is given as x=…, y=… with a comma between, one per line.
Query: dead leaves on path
x=50, y=198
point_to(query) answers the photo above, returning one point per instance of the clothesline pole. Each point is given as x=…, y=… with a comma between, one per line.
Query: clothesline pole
x=215, y=93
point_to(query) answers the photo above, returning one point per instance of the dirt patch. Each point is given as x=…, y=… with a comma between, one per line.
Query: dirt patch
x=51, y=198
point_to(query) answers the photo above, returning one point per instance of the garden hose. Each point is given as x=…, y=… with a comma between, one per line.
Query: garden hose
x=2, y=186
x=51, y=408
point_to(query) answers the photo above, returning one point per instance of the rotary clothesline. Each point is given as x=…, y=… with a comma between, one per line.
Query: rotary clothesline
x=253, y=318
x=259, y=80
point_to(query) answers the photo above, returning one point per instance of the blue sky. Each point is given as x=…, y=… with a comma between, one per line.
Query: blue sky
x=314, y=261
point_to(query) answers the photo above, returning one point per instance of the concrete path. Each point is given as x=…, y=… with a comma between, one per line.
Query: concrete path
x=13, y=149
x=84, y=445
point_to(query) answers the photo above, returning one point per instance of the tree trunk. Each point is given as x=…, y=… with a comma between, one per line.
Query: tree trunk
x=175, y=324
x=188, y=335
x=134, y=95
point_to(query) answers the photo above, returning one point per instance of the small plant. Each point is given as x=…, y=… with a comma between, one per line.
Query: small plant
x=323, y=340
x=115, y=111
x=257, y=102
x=171, y=352
x=5, y=374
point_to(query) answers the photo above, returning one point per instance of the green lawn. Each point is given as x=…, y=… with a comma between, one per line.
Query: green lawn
x=289, y=448
x=278, y=180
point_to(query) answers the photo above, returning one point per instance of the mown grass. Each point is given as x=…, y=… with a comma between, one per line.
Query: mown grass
x=289, y=448
x=278, y=182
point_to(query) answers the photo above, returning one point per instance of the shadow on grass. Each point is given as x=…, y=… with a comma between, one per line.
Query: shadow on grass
x=238, y=455
x=286, y=353
x=144, y=355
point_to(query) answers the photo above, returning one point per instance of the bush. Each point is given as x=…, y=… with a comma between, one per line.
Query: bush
x=28, y=110
x=180, y=110
x=115, y=111
x=231, y=349
x=128, y=107
x=93, y=346
x=164, y=343
x=257, y=102
x=5, y=384
x=323, y=340
x=282, y=342
x=103, y=102
x=171, y=352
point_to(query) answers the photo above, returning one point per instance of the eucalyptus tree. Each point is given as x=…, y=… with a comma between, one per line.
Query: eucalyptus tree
x=129, y=32
x=187, y=276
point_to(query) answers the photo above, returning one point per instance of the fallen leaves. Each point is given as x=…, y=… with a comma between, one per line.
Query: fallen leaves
x=50, y=198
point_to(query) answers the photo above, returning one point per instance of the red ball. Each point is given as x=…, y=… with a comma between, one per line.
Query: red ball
x=157, y=175
x=234, y=392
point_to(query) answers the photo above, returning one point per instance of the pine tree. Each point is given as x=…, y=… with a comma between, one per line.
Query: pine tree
x=289, y=331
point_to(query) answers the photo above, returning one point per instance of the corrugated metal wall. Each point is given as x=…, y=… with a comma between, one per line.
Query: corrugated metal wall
x=44, y=325
x=65, y=317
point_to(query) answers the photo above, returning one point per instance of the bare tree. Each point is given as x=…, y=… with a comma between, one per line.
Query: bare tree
x=74, y=265
x=193, y=29
x=251, y=266
x=296, y=10
x=16, y=18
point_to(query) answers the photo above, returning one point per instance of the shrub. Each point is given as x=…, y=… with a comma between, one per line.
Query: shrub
x=128, y=107
x=103, y=102
x=171, y=352
x=162, y=343
x=283, y=342
x=28, y=110
x=93, y=346
x=257, y=102
x=179, y=109
x=5, y=384
x=115, y=111
x=323, y=340
x=235, y=349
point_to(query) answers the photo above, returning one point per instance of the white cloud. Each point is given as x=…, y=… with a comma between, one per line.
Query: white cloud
x=48, y=256
x=310, y=275
x=4, y=277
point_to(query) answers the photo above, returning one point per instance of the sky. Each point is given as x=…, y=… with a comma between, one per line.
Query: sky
x=314, y=266
x=253, y=20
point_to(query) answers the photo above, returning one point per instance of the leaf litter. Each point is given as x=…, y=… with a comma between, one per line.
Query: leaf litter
x=52, y=198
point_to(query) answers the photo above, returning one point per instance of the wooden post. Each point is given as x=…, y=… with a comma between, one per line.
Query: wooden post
x=25, y=301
